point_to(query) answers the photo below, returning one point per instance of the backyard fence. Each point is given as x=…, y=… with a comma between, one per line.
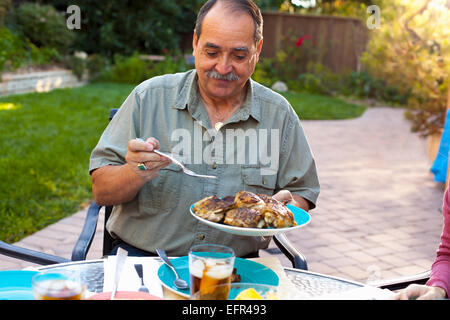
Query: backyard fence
x=340, y=41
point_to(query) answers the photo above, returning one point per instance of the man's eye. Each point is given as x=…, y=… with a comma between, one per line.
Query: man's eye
x=211, y=54
x=240, y=57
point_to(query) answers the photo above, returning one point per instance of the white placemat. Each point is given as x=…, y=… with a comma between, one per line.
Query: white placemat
x=129, y=280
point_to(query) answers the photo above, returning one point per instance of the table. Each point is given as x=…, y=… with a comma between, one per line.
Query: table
x=308, y=283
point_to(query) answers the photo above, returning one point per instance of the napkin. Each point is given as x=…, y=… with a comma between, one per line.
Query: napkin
x=286, y=288
x=363, y=293
x=129, y=279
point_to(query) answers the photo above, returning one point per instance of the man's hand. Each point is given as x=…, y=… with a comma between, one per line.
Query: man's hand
x=287, y=197
x=116, y=184
x=140, y=151
x=420, y=292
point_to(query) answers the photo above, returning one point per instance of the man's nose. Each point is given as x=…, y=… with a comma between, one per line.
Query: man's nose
x=224, y=66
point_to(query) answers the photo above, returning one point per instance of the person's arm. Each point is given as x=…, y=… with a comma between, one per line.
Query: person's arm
x=116, y=184
x=438, y=286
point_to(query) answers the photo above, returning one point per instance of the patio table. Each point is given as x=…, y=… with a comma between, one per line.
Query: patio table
x=310, y=284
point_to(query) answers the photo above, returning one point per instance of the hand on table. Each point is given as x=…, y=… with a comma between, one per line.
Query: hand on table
x=420, y=292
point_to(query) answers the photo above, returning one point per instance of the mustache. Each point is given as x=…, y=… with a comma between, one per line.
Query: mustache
x=230, y=76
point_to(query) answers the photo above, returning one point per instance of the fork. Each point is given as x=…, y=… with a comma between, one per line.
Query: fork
x=178, y=163
x=139, y=271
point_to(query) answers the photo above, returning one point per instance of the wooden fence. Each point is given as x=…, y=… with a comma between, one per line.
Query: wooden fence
x=340, y=41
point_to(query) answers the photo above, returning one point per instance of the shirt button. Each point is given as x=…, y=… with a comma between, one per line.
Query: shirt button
x=214, y=166
x=264, y=181
x=201, y=237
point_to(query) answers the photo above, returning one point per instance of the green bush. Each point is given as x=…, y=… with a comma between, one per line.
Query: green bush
x=96, y=64
x=135, y=69
x=123, y=27
x=127, y=70
x=13, y=52
x=44, y=26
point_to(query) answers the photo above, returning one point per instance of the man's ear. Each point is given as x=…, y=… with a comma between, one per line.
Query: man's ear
x=194, y=42
x=258, y=49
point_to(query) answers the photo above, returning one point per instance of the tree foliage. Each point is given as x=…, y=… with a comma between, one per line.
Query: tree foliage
x=126, y=26
x=412, y=51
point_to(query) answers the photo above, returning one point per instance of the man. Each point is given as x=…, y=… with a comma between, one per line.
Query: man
x=201, y=113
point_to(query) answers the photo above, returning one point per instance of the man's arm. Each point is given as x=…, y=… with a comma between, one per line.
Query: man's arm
x=116, y=184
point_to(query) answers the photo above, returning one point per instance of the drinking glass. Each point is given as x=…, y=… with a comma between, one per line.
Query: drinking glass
x=57, y=286
x=210, y=265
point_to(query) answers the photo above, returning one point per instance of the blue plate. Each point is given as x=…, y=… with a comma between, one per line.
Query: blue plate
x=250, y=272
x=16, y=285
x=300, y=216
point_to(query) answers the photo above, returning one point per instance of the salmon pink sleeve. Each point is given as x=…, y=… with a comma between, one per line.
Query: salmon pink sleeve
x=440, y=270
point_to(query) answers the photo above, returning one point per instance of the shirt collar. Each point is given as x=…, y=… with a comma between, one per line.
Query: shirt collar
x=189, y=96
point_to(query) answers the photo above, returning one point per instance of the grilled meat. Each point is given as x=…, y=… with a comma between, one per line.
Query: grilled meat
x=276, y=214
x=213, y=208
x=247, y=210
x=244, y=217
x=249, y=200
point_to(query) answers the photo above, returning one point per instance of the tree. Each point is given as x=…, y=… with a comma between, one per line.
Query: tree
x=412, y=50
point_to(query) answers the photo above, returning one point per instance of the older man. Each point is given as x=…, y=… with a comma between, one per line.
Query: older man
x=199, y=115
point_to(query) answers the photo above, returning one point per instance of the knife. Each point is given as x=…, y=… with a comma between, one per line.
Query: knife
x=120, y=261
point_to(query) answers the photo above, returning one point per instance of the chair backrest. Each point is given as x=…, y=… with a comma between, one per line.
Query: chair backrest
x=107, y=238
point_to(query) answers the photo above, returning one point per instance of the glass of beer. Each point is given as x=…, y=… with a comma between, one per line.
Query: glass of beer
x=210, y=265
x=57, y=286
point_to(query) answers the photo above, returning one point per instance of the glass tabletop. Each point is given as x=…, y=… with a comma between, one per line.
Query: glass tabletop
x=308, y=283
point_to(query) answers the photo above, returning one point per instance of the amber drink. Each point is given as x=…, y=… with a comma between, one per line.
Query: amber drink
x=210, y=266
x=57, y=286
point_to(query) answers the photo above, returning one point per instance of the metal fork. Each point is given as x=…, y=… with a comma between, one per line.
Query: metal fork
x=178, y=163
x=140, y=273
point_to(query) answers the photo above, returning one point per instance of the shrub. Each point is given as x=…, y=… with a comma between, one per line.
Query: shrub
x=411, y=51
x=122, y=27
x=44, y=26
x=13, y=52
x=126, y=70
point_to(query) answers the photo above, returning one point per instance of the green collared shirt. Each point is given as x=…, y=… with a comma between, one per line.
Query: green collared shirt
x=261, y=148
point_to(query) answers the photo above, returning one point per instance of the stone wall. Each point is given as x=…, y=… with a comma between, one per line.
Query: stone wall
x=42, y=81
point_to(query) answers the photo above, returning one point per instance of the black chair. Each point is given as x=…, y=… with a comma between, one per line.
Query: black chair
x=86, y=237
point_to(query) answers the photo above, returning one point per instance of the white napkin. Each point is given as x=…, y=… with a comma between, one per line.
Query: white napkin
x=129, y=280
x=363, y=293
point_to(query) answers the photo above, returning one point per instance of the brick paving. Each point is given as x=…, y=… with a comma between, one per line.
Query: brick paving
x=378, y=215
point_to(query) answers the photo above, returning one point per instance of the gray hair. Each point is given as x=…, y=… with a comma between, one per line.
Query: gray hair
x=246, y=6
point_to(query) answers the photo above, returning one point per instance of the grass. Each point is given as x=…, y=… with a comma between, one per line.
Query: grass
x=44, y=153
x=316, y=107
x=46, y=143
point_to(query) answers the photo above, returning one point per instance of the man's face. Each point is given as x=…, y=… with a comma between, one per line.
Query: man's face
x=225, y=54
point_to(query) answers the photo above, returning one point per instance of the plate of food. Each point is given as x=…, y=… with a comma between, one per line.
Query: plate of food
x=245, y=271
x=249, y=214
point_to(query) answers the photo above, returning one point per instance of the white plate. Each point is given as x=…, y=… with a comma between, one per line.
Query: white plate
x=300, y=216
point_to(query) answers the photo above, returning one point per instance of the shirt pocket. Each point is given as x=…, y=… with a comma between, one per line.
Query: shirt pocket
x=255, y=182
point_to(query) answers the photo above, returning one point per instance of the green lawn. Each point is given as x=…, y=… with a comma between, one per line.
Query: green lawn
x=46, y=141
x=316, y=107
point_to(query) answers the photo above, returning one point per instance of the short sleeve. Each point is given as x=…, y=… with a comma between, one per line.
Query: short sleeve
x=112, y=146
